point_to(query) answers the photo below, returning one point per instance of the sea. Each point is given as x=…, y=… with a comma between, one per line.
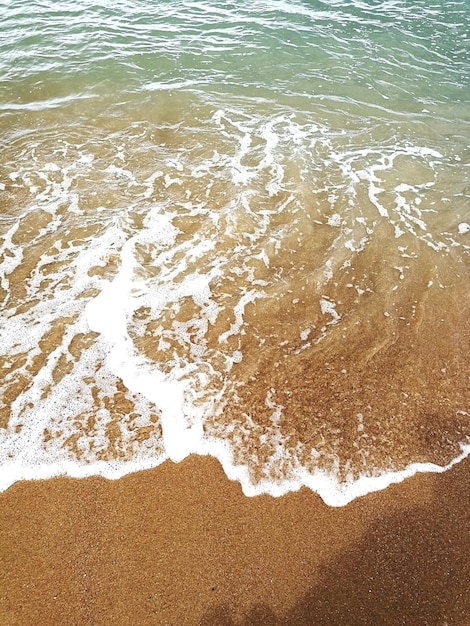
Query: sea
x=238, y=229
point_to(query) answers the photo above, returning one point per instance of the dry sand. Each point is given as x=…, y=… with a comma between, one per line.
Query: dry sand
x=181, y=545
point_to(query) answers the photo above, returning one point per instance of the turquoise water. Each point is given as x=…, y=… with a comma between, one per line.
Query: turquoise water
x=235, y=229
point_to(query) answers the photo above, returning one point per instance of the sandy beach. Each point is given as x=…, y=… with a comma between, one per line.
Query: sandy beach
x=182, y=545
x=238, y=229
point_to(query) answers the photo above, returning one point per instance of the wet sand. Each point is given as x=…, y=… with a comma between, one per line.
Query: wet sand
x=181, y=545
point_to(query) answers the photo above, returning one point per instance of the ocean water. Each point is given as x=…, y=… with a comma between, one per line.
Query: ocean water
x=239, y=229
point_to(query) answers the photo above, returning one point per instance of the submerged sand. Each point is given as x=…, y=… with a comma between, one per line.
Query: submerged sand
x=182, y=545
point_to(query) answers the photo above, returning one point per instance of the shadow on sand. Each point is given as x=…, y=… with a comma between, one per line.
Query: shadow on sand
x=410, y=569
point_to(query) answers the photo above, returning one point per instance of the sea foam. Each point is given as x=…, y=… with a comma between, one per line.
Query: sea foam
x=219, y=290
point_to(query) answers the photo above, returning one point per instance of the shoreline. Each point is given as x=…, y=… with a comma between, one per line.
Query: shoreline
x=181, y=545
x=331, y=491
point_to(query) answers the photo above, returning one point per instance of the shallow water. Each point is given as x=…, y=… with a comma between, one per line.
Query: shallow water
x=235, y=229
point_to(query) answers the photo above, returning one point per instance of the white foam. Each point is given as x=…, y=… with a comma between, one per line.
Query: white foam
x=328, y=307
x=334, y=220
x=107, y=314
x=18, y=470
x=254, y=152
x=333, y=492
